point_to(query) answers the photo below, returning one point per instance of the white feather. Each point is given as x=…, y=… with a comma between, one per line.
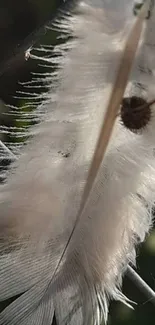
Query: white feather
x=58, y=264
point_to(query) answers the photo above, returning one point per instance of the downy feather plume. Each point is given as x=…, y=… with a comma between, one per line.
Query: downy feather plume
x=73, y=207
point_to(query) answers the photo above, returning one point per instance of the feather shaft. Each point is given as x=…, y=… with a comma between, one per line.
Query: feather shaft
x=115, y=100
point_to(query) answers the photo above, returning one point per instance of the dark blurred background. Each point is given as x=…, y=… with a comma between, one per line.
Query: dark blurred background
x=20, y=26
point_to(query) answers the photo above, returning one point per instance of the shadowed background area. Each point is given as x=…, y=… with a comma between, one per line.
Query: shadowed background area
x=19, y=21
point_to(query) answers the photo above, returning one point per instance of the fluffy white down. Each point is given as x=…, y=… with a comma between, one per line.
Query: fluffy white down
x=41, y=198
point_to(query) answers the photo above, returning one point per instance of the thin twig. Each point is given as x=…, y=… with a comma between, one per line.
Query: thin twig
x=27, y=42
x=141, y=284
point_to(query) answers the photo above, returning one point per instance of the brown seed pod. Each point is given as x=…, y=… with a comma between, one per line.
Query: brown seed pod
x=135, y=113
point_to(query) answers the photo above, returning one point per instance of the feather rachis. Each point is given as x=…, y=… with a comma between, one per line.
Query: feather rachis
x=44, y=129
